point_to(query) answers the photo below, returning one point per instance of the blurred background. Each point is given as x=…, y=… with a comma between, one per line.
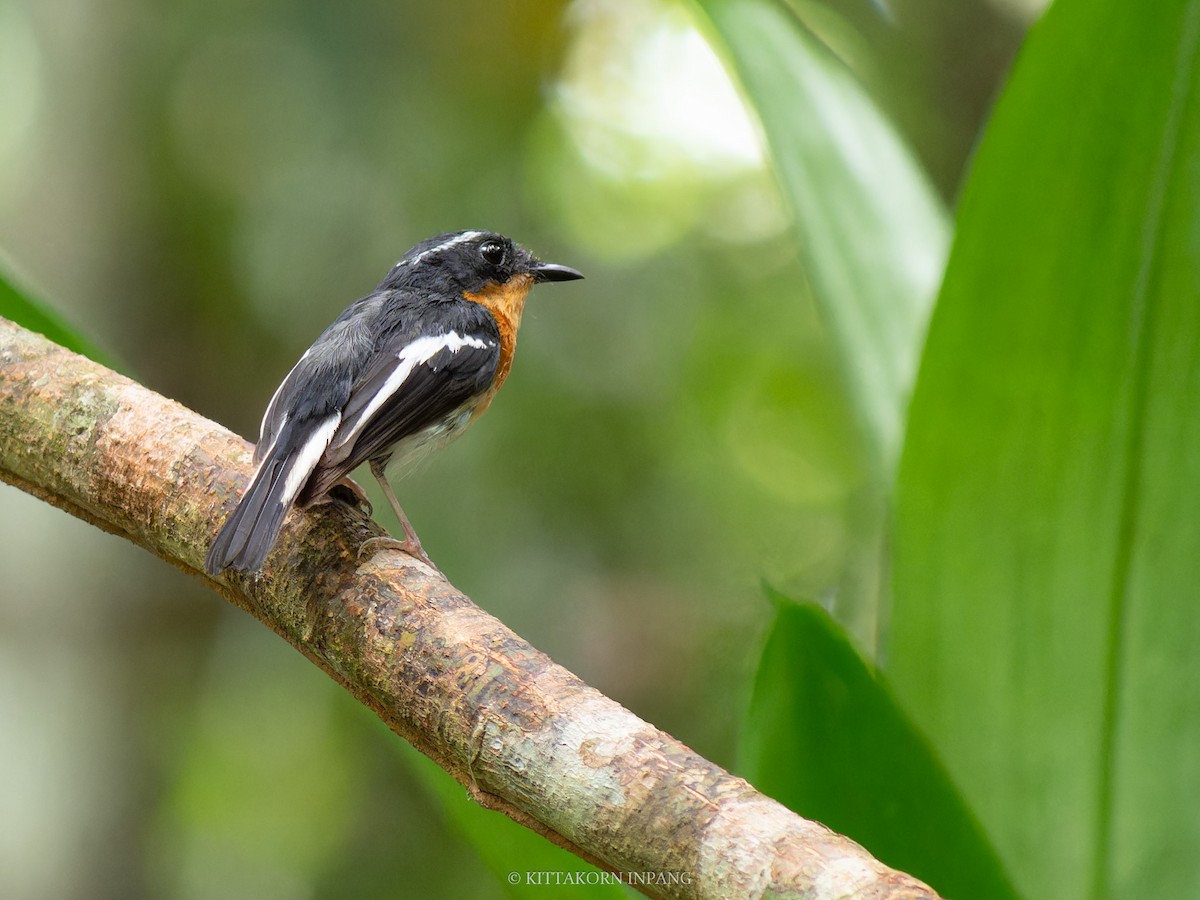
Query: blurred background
x=201, y=187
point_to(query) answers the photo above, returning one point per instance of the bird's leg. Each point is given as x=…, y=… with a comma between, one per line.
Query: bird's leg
x=411, y=543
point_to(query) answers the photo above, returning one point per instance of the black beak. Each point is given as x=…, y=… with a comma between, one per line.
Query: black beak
x=554, y=272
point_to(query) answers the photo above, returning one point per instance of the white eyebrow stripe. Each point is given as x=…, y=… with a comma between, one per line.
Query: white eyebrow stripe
x=304, y=461
x=457, y=239
x=410, y=356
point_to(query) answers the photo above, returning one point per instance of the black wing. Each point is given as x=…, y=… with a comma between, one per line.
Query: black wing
x=413, y=384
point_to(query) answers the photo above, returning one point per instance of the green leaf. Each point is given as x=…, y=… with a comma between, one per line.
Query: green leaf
x=1047, y=548
x=17, y=306
x=872, y=232
x=523, y=861
x=826, y=738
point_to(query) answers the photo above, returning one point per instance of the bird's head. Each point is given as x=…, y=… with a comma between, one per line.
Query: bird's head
x=470, y=263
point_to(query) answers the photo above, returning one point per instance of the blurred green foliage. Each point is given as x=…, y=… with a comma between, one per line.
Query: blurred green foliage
x=825, y=736
x=19, y=305
x=873, y=239
x=872, y=234
x=1045, y=617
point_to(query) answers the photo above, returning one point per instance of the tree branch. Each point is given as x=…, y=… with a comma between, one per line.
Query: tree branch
x=523, y=734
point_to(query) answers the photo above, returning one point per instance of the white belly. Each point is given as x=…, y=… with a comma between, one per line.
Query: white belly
x=414, y=448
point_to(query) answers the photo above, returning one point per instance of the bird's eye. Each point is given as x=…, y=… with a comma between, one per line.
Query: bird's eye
x=492, y=252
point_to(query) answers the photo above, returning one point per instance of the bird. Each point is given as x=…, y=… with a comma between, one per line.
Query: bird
x=401, y=372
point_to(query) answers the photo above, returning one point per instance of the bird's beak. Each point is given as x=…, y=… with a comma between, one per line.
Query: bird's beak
x=554, y=272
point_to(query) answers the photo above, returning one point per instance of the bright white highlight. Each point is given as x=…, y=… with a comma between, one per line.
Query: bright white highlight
x=644, y=95
x=412, y=355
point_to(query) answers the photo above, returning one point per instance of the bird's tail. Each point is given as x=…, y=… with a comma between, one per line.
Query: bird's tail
x=250, y=531
x=249, y=534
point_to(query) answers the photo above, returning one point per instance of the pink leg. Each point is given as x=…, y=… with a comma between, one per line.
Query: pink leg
x=411, y=543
